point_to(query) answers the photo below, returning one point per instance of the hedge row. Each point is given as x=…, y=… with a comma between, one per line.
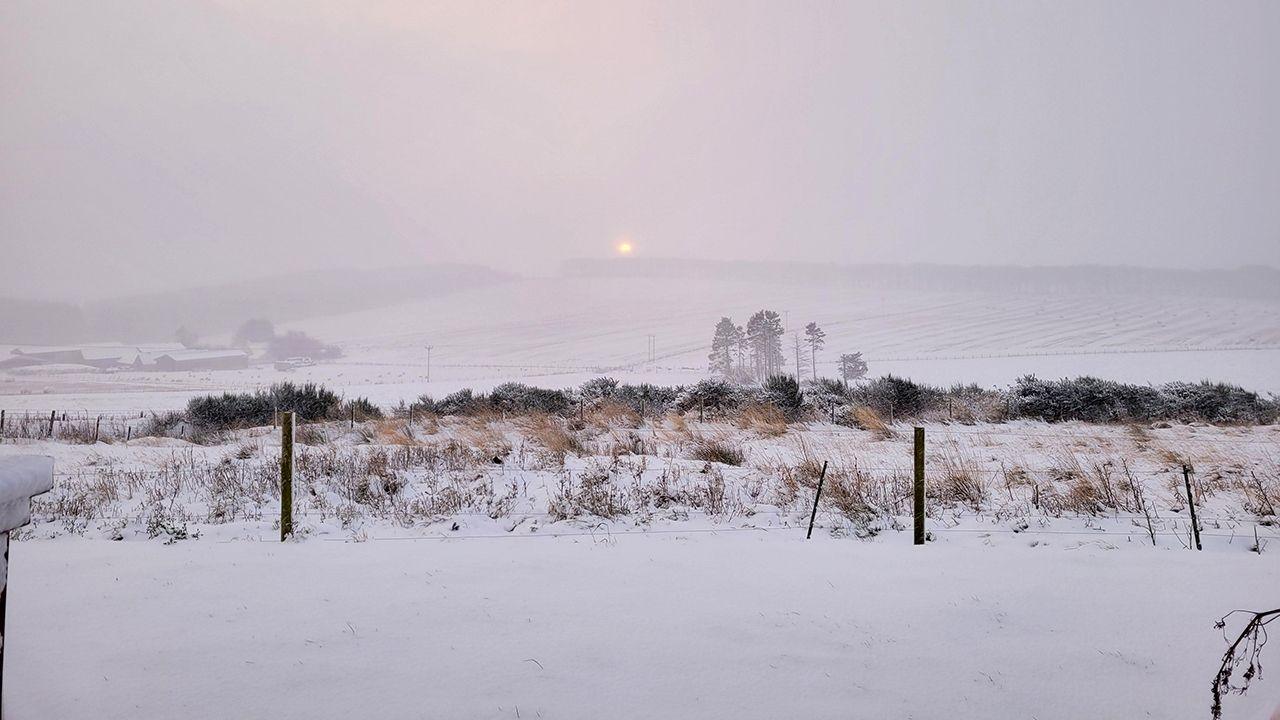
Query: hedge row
x=1085, y=398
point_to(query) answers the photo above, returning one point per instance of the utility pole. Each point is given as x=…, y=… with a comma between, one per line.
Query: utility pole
x=428, y=363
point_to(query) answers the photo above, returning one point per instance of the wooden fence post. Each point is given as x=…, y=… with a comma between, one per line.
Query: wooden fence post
x=97, y=425
x=53, y=415
x=817, y=494
x=286, y=475
x=918, y=487
x=1191, y=503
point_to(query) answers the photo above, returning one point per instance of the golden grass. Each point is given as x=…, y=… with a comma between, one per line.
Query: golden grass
x=865, y=418
x=765, y=420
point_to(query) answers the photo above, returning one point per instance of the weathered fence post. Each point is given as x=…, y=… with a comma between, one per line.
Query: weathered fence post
x=817, y=494
x=286, y=475
x=1, y=423
x=918, y=488
x=97, y=425
x=53, y=415
x=1191, y=503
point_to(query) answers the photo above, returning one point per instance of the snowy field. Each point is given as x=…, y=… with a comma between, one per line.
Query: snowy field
x=734, y=625
x=559, y=332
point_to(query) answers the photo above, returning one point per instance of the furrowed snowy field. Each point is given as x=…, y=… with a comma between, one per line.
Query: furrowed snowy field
x=608, y=569
x=560, y=332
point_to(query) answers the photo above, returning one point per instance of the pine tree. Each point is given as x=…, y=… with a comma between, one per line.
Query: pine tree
x=852, y=366
x=740, y=348
x=723, y=345
x=764, y=337
x=816, y=338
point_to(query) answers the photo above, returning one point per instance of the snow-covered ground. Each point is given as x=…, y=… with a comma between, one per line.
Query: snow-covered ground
x=731, y=625
x=426, y=580
x=560, y=332
x=608, y=571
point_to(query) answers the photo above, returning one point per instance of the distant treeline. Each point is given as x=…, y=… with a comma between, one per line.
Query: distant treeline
x=859, y=404
x=218, y=309
x=1257, y=282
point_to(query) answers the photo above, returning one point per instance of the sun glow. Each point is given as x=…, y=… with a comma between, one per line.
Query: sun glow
x=624, y=247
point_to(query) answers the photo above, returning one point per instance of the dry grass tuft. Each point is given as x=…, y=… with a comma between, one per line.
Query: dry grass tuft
x=551, y=434
x=610, y=414
x=962, y=479
x=766, y=420
x=864, y=418
x=717, y=450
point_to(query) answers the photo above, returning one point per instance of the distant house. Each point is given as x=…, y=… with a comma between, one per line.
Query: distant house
x=180, y=360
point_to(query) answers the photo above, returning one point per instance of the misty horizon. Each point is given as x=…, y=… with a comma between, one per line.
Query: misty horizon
x=248, y=141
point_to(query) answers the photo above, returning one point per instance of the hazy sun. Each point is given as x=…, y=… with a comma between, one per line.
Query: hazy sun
x=624, y=247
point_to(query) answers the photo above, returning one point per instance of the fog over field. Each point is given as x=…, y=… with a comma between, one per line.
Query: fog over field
x=716, y=359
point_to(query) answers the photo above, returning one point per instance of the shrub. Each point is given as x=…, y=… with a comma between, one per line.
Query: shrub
x=362, y=409
x=1216, y=402
x=783, y=392
x=823, y=394
x=897, y=397
x=647, y=399
x=715, y=397
x=514, y=397
x=598, y=389
x=717, y=451
x=1084, y=398
x=231, y=410
x=1090, y=399
x=309, y=400
x=461, y=402
x=218, y=412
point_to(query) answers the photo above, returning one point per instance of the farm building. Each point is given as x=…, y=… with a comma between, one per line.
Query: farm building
x=45, y=355
x=179, y=360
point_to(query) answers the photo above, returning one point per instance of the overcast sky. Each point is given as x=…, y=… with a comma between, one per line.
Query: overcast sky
x=157, y=144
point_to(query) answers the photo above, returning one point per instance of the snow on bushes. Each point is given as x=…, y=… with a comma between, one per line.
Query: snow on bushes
x=861, y=404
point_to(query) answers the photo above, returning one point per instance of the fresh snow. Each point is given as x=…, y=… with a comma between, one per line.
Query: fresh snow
x=731, y=625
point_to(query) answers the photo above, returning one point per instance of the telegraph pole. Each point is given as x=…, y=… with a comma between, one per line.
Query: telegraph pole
x=429, y=363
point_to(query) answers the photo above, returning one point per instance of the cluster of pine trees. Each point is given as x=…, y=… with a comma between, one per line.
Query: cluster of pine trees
x=755, y=352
